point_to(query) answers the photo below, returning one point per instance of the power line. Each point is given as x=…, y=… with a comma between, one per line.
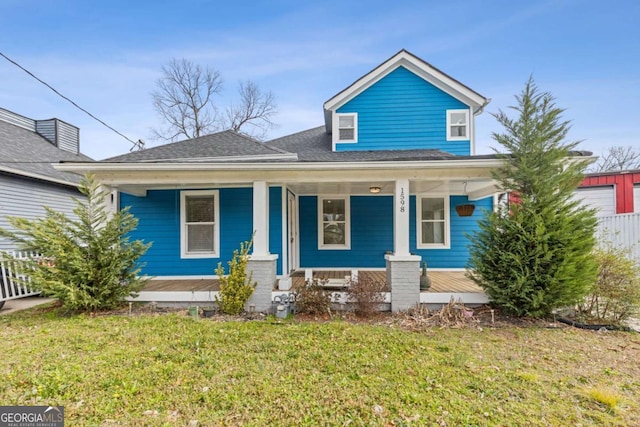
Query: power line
x=139, y=144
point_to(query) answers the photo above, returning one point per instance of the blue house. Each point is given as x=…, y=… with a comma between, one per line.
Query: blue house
x=375, y=188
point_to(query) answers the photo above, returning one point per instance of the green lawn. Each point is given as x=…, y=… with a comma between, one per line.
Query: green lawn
x=171, y=369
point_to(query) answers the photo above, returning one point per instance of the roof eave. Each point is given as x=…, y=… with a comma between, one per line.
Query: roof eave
x=419, y=164
x=38, y=176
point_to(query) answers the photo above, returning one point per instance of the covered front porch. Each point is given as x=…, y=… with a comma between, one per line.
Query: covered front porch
x=373, y=216
x=444, y=286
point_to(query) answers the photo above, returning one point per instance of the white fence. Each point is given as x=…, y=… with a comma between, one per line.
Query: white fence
x=14, y=276
x=622, y=231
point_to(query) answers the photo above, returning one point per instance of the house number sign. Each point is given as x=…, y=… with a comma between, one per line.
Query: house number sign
x=403, y=200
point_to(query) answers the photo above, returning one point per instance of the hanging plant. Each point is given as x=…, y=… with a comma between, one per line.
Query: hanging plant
x=465, y=209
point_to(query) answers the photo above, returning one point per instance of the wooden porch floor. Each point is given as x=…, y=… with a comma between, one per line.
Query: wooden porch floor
x=441, y=281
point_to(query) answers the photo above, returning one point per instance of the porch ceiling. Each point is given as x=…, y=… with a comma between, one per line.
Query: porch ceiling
x=474, y=188
x=447, y=177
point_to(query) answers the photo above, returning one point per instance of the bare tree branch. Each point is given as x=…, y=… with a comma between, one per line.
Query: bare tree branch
x=183, y=99
x=618, y=159
x=254, y=112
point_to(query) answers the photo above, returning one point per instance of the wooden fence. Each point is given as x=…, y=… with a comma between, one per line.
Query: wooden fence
x=621, y=231
x=14, y=275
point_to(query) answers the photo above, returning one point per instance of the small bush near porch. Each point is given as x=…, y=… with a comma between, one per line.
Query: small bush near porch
x=172, y=369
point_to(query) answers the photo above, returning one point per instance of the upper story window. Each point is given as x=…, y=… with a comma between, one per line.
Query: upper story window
x=433, y=222
x=199, y=224
x=334, y=223
x=347, y=127
x=457, y=125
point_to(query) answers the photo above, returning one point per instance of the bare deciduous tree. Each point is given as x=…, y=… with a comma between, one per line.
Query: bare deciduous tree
x=618, y=159
x=255, y=108
x=184, y=99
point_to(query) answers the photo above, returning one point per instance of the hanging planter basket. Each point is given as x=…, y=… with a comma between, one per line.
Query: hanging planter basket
x=465, y=210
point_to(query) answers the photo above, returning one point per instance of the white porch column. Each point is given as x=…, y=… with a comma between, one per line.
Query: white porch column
x=403, y=269
x=261, y=264
x=401, y=218
x=260, y=218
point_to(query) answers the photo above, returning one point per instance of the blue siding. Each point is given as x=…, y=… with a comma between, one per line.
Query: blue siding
x=372, y=234
x=159, y=222
x=403, y=111
x=275, y=225
x=461, y=227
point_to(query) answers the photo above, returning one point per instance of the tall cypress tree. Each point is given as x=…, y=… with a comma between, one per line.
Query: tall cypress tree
x=536, y=255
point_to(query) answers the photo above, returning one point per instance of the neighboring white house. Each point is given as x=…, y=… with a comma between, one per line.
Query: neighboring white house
x=28, y=182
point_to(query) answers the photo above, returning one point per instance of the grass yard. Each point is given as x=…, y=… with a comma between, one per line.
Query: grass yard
x=174, y=370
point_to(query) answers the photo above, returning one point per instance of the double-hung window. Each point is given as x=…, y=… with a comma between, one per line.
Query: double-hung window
x=347, y=127
x=334, y=223
x=433, y=222
x=457, y=125
x=199, y=224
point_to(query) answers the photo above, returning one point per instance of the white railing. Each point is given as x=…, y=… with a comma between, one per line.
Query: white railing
x=14, y=275
x=621, y=231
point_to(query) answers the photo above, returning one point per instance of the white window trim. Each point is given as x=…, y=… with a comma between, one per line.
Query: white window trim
x=183, y=224
x=447, y=222
x=336, y=128
x=347, y=223
x=467, y=127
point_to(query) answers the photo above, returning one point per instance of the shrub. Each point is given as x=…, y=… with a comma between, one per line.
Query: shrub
x=312, y=297
x=366, y=295
x=236, y=288
x=615, y=296
x=93, y=264
x=536, y=256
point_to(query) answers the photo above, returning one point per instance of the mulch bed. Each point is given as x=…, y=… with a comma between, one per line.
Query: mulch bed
x=449, y=316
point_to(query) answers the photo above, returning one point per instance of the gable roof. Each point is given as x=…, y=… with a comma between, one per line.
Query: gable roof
x=222, y=146
x=26, y=153
x=417, y=66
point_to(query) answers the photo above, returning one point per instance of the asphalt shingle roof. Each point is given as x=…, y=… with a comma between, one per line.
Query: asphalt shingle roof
x=222, y=144
x=314, y=145
x=27, y=152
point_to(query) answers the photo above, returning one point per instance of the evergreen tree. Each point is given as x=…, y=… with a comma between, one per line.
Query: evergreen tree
x=536, y=256
x=87, y=263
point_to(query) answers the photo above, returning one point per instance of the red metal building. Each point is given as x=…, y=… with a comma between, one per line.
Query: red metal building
x=617, y=189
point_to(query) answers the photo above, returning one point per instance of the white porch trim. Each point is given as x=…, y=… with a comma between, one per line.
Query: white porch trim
x=260, y=219
x=206, y=297
x=401, y=219
x=445, y=297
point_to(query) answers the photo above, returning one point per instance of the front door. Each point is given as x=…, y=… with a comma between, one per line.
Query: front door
x=292, y=214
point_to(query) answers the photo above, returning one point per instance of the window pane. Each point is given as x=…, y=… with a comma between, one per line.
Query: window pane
x=347, y=134
x=200, y=209
x=334, y=234
x=458, y=118
x=200, y=238
x=333, y=210
x=432, y=208
x=458, y=131
x=433, y=232
x=345, y=121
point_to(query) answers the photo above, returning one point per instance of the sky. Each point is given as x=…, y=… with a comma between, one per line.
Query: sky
x=107, y=56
